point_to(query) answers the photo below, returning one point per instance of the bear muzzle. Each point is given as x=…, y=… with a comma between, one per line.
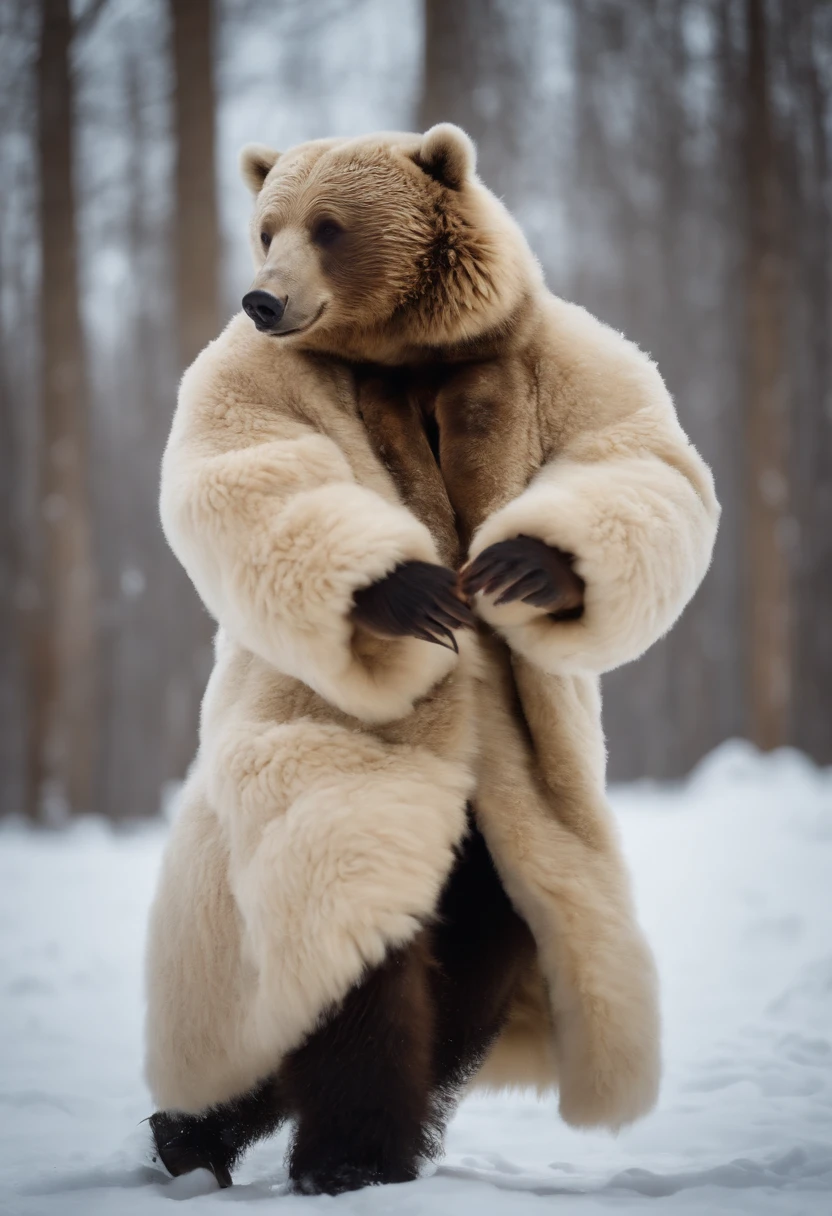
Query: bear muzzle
x=265, y=310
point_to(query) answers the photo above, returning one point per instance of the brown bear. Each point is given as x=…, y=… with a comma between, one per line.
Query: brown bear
x=394, y=871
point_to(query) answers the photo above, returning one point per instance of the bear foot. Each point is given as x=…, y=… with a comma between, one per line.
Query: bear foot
x=336, y=1178
x=186, y=1143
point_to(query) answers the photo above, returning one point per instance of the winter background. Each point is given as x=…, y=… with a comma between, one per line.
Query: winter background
x=670, y=162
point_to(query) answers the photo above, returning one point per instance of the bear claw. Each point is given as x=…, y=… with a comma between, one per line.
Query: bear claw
x=180, y=1155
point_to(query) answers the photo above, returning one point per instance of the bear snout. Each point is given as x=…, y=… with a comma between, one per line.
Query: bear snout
x=265, y=310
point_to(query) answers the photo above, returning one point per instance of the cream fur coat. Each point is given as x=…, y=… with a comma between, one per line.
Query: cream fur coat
x=320, y=818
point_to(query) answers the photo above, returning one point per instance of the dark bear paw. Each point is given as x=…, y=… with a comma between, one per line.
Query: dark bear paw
x=418, y=600
x=528, y=570
x=336, y=1178
x=185, y=1143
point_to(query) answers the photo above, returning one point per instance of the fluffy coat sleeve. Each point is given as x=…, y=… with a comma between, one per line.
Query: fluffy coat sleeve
x=275, y=533
x=624, y=492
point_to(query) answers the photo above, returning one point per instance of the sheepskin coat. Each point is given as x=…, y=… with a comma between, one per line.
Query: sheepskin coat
x=319, y=822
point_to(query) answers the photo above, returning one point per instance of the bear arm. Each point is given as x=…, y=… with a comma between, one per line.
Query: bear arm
x=640, y=524
x=277, y=538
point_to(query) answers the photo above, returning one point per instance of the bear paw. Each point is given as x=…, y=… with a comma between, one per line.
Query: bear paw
x=185, y=1144
x=528, y=570
x=335, y=1179
x=418, y=600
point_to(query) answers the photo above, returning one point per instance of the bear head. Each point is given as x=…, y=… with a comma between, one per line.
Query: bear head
x=383, y=247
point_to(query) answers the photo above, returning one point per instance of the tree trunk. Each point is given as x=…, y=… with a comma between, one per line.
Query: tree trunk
x=473, y=75
x=805, y=41
x=449, y=73
x=196, y=223
x=62, y=648
x=767, y=483
x=10, y=577
x=196, y=260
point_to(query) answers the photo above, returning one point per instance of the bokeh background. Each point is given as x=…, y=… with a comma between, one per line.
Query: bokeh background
x=670, y=163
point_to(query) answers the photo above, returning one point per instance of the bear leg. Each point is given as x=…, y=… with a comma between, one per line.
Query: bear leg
x=360, y=1085
x=482, y=947
x=216, y=1139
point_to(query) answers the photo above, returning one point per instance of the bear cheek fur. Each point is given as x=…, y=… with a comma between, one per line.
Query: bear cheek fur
x=372, y=268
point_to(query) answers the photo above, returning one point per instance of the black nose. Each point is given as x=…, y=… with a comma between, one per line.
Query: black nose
x=264, y=309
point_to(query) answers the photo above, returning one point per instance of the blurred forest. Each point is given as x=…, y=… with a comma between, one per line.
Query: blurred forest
x=670, y=162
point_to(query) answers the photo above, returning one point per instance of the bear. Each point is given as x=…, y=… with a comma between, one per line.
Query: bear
x=428, y=503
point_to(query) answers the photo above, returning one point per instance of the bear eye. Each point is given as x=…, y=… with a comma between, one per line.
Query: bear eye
x=265, y=239
x=326, y=232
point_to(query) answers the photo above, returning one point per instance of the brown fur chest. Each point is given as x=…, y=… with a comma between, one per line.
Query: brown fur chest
x=459, y=440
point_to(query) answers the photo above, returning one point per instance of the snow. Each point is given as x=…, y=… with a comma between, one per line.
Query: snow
x=733, y=871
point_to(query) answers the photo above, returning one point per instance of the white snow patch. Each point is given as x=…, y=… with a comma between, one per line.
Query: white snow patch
x=733, y=871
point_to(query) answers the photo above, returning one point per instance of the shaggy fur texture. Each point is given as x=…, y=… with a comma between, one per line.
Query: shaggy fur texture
x=371, y=1089
x=428, y=399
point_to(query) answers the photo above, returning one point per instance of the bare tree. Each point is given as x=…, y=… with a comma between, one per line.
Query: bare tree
x=10, y=570
x=196, y=258
x=767, y=484
x=474, y=72
x=803, y=36
x=196, y=238
x=62, y=652
x=19, y=390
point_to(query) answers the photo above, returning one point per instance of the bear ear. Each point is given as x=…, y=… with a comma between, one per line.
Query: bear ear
x=256, y=160
x=447, y=154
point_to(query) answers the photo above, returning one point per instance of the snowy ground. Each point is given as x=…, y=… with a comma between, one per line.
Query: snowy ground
x=733, y=872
